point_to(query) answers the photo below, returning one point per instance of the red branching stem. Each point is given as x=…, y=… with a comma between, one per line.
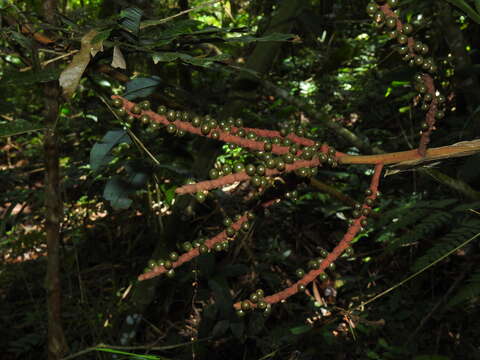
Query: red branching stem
x=429, y=117
x=428, y=81
x=332, y=256
x=188, y=256
x=241, y=176
x=224, y=136
x=210, y=243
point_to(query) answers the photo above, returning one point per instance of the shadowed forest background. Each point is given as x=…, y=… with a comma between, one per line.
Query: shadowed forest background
x=95, y=189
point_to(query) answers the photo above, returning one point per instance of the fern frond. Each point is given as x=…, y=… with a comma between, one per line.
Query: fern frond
x=428, y=225
x=469, y=291
x=462, y=231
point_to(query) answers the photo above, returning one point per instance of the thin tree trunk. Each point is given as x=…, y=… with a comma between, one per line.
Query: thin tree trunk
x=57, y=344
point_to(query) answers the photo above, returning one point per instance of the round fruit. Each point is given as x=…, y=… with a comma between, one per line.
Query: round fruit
x=118, y=103
x=145, y=105
x=200, y=196
x=300, y=273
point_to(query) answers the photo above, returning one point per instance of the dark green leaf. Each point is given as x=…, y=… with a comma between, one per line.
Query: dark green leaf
x=130, y=19
x=117, y=191
x=471, y=13
x=269, y=37
x=100, y=154
x=141, y=87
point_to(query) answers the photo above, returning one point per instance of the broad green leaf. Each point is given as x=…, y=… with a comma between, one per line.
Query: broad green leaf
x=130, y=19
x=70, y=77
x=117, y=192
x=17, y=127
x=471, y=13
x=141, y=87
x=477, y=5
x=100, y=154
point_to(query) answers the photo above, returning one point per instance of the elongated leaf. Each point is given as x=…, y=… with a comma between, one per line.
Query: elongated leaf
x=462, y=5
x=269, y=37
x=70, y=77
x=17, y=127
x=100, y=154
x=197, y=61
x=141, y=87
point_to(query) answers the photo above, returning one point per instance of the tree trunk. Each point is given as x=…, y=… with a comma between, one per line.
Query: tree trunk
x=57, y=344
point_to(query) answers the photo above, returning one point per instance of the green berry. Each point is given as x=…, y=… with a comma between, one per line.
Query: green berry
x=238, y=167
x=260, y=293
x=117, y=102
x=301, y=287
x=254, y=298
x=144, y=119
x=245, y=305
x=240, y=313
x=262, y=305
x=173, y=256
x=167, y=264
x=250, y=169
x=136, y=109
x=261, y=170
x=230, y=231
x=215, y=134
x=300, y=273
x=196, y=121
x=145, y=105
x=407, y=29
x=187, y=246
x=214, y=174
x=205, y=129
x=171, y=128
x=391, y=22
x=170, y=273
x=200, y=196
x=372, y=8
x=323, y=277
x=203, y=249
x=241, y=132
x=152, y=264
